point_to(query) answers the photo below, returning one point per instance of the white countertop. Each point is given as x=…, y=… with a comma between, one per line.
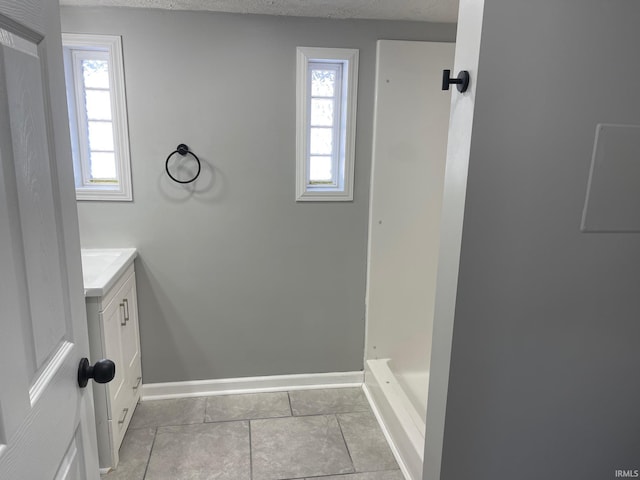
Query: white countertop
x=101, y=268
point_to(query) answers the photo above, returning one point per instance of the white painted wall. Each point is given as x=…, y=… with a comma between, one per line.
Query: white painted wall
x=409, y=151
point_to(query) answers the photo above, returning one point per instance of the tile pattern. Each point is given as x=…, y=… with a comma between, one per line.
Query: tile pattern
x=304, y=435
x=134, y=455
x=193, y=452
x=247, y=407
x=389, y=475
x=368, y=447
x=161, y=413
x=333, y=400
x=298, y=447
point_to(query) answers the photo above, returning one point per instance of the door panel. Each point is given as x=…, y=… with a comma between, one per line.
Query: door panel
x=46, y=421
x=14, y=396
x=71, y=466
x=35, y=195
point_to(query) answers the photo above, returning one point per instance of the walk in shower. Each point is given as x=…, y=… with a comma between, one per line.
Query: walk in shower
x=409, y=150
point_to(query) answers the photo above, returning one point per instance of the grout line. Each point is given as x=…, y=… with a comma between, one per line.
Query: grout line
x=167, y=425
x=243, y=420
x=345, y=443
x=153, y=443
x=248, y=419
x=290, y=407
x=204, y=418
x=345, y=475
x=250, y=453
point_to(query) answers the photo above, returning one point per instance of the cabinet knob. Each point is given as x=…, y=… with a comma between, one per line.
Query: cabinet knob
x=102, y=372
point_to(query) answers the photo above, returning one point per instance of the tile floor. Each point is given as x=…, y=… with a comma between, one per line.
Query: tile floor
x=309, y=434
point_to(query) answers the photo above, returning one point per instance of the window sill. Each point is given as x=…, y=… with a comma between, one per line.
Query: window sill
x=105, y=194
x=324, y=196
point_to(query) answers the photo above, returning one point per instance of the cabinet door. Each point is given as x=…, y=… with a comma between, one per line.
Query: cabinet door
x=130, y=334
x=112, y=319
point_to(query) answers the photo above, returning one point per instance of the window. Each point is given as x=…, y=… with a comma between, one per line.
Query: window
x=97, y=116
x=326, y=123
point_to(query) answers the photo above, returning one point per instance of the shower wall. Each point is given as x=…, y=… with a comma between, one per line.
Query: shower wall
x=409, y=149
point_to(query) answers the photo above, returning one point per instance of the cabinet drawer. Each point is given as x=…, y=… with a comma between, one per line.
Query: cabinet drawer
x=119, y=424
x=135, y=381
x=127, y=402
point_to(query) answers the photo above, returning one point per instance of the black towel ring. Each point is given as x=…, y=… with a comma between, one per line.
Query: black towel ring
x=182, y=149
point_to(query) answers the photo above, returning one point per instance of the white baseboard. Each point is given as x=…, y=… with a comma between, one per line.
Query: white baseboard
x=228, y=386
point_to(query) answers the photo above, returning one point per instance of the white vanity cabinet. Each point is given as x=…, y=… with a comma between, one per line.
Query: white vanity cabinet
x=114, y=334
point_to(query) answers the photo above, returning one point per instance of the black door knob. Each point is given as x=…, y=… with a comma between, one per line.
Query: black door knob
x=462, y=81
x=102, y=372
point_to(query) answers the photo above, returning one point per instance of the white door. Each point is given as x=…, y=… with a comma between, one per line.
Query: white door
x=467, y=54
x=47, y=429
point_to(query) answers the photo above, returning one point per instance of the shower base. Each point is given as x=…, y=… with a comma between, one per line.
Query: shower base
x=402, y=423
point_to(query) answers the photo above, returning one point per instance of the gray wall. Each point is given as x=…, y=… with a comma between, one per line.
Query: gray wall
x=235, y=278
x=545, y=368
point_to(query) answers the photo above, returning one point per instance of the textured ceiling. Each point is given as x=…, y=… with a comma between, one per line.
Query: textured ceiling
x=420, y=10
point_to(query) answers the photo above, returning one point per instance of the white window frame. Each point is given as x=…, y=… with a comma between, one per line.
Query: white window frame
x=75, y=48
x=342, y=190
